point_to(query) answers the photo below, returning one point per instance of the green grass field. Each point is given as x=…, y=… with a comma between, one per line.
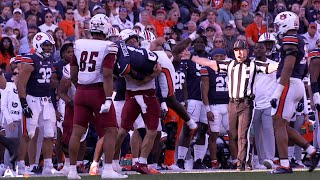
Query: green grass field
x=207, y=175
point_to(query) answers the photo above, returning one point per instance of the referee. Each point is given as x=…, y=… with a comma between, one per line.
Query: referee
x=241, y=75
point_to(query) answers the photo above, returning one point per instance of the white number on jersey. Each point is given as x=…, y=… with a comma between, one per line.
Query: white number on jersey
x=198, y=67
x=46, y=75
x=221, y=84
x=179, y=80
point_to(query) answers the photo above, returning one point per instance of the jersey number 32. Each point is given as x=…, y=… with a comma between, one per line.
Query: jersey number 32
x=88, y=62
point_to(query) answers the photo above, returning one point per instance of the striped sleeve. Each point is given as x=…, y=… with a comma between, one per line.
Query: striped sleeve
x=17, y=59
x=27, y=60
x=290, y=40
x=314, y=54
x=112, y=49
x=204, y=71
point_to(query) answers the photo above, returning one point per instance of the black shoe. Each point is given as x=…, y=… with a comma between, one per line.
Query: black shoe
x=241, y=166
x=294, y=164
x=282, y=170
x=199, y=165
x=37, y=170
x=314, y=161
x=180, y=163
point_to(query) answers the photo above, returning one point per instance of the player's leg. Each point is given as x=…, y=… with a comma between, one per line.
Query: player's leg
x=213, y=136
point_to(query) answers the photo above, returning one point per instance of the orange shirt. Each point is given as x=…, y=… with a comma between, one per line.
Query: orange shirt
x=253, y=31
x=160, y=27
x=5, y=58
x=67, y=27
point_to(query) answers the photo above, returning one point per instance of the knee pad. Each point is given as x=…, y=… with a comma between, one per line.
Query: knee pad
x=171, y=138
x=142, y=132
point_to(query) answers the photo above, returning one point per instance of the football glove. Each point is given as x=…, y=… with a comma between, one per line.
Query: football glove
x=164, y=111
x=316, y=99
x=106, y=106
x=25, y=108
x=276, y=95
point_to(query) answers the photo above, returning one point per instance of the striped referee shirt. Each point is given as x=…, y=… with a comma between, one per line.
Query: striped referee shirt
x=241, y=76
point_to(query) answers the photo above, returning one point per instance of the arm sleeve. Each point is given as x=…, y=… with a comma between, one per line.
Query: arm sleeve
x=159, y=94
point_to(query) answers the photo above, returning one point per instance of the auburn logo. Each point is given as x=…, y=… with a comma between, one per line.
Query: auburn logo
x=283, y=16
x=39, y=37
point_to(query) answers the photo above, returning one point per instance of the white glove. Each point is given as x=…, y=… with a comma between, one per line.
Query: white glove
x=193, y=36
x=164, y=110
x=106, y=106
x=142, y=104
x=316, y=99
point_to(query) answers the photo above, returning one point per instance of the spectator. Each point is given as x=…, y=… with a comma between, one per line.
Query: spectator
x=254, y=30
x=211, y=15
x=175, y=34
x=119, y=3
x=26, y=42
x=204, y=5
x=144, y=20
x=48, y=23
x=93, y=3
x=32, y=20
x=267, y=16
x=185, y=7
x=230, y=38
x=173, y=17
x=280, y=7
x=160, y=22
x=219, y=42
x=210, y=31
x=312, y=36
x=6, y=52
x=290, y=3
x=191, y=27
x=133, y=13
x=67, y=25
x=166, y=5
x=18, y=22
x=302, y=18
x=243, y=17
x=58, y=36
x=111, y=10
x=4, y=16
x=121, y=20
x=311, y=13
x=150, y=8
x=195, y=16
x=56, y=8
x=16, y=4
x=82, y=12
x=34, y=10
x=224, y=14
x=318, y=22
x=150, y=27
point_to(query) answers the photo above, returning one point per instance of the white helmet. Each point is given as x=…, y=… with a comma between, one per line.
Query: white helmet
x=113, y=32
x=286, y=21
x=100, y=23
x=267, y=37
x=42, y=38
x=148, y=36
x=127, y=34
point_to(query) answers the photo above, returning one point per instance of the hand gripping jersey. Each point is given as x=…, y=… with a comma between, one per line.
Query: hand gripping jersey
x=66, y=74
x=194, y=79
x=299, y=70
x=39, y=82
x=218, y=86
x=90, y=54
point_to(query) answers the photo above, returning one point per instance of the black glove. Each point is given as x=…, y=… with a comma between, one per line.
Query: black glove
x=300, y=107
x=25, y=108
x=273, y=103
x=317, y=107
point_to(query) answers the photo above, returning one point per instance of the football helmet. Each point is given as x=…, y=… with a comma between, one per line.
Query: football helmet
x=113, y=32
x=100, y=23
x=267, y=37
x=127, y=34
x=286, y=21
x=39, y=40
x=148, y=36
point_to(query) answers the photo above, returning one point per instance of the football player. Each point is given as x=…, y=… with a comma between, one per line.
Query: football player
x=33, y=88
x=289, y=89
x=91, y=73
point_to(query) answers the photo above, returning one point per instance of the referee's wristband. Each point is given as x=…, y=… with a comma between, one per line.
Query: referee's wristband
x=208, y=108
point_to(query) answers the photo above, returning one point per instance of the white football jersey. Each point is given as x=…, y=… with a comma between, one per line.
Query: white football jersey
x=90, y=54
x=67, y=75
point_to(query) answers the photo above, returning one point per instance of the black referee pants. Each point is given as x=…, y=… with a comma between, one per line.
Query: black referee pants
x=240, y=116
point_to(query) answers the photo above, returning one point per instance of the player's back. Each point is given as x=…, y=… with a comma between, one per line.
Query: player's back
x=90, y=54
x=39, y=81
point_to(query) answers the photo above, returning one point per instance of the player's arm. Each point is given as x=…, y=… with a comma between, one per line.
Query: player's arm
x=24, y=75
x=206, y=62
x=182, y=45
x=204, y=92
x=64, y=86
x=74, y=70
x=54, y=81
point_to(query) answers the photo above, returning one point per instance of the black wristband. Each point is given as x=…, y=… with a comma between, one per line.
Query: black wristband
x=23, y=101
x=315, y=87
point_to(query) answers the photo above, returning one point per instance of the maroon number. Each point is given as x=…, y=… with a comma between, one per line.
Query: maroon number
x=84, y=62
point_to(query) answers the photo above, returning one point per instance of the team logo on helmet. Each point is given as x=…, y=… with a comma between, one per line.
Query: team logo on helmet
x=39, y=37
x=283, y=16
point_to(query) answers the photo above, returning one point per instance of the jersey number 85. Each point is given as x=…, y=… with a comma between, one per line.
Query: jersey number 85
x=84, y=61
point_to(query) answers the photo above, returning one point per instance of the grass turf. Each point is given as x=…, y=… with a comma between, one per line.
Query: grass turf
x=200, y=175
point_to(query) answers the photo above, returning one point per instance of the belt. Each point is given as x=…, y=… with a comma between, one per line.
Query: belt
x=240, y=100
